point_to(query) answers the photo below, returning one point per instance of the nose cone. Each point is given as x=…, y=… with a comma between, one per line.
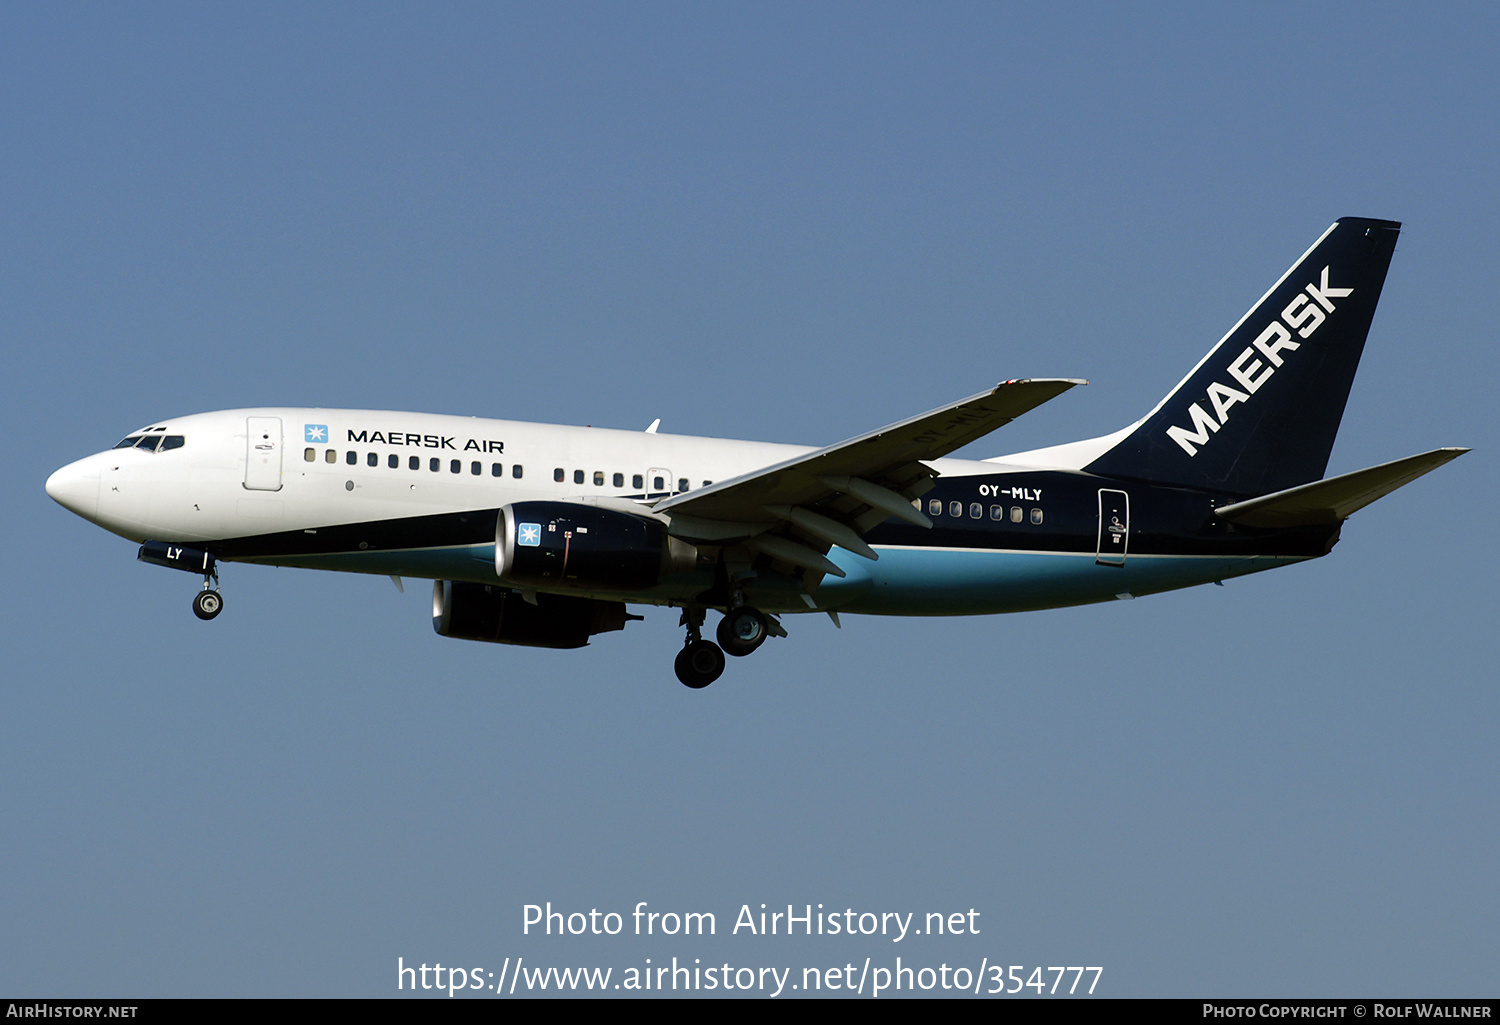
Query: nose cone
x=76, y=488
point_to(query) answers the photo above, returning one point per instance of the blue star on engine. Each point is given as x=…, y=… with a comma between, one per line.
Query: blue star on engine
x=530, y=534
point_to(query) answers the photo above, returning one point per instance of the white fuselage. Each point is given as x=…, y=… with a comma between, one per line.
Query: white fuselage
x=208, y=489
x=278, y=472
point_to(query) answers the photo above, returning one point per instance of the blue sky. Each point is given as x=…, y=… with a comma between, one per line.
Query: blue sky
x=788, y=223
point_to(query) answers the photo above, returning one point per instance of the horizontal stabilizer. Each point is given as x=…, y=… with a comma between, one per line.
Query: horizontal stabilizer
x=1334, y=499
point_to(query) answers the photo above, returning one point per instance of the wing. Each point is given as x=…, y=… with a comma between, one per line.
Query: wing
x=793, y=511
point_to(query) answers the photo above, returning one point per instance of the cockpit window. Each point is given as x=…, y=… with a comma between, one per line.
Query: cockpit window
x=153, y=442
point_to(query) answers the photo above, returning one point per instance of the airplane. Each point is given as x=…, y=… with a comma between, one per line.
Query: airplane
x=541, y=535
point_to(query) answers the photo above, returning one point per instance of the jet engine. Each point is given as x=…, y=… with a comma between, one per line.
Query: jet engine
x=562, y=544
x=485, y=612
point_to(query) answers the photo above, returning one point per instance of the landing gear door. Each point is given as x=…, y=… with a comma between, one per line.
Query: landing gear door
x=263, y=453
x=1114, y=527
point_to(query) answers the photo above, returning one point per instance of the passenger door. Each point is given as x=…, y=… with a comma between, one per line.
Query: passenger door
x=263, y=453
x=1114, y=527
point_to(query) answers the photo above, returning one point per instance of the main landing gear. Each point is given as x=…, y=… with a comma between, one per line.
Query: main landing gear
x=700, y=662
x=741, y=631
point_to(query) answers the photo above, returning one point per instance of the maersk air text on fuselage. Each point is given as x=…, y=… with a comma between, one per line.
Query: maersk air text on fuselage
x=543, y=535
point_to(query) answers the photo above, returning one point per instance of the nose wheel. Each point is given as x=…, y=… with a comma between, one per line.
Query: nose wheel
x=207, y=604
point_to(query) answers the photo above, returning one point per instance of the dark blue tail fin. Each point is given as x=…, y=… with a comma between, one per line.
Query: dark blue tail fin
x=1260, y=412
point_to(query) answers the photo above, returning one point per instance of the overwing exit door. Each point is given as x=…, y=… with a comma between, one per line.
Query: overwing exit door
x=658, y=482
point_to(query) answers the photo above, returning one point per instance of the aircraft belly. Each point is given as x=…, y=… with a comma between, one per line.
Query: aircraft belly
x=474, y=563
x=946, y=582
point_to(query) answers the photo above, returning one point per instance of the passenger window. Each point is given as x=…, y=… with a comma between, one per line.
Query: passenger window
x=475, y=468
x=515, y=471
x=934, y=508
x=976, y=511
x=456, y=466
x=637, y=481
x=997, y=512
x=414, y=462
x=1036, y=516
x=1015, y=514
x=658, y=483
x=682, y=483
x=496, y=470
x=707, y=483
x=955, y=508
x=330, y=456
x=434, y=465
x=577, y=476
x=311, y=455
x=352, y=458
x=393, y=461
x=172, y=441
x=619, y=480
x=557, y=475
x=598, y=478
x=373, y=459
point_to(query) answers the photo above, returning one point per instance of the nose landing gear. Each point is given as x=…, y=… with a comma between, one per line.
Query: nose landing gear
x=208, y=603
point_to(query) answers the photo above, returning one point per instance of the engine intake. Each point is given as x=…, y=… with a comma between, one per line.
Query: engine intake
x=565, y=545
x=485, y=612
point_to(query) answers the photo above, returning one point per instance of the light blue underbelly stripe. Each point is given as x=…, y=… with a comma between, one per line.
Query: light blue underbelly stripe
x=904, y=582
x=958, y=582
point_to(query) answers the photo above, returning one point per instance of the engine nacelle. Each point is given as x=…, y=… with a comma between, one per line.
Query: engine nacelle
x=486, y=612
x=563, y=544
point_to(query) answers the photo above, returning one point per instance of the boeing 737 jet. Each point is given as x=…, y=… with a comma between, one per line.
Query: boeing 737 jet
x=543, y=535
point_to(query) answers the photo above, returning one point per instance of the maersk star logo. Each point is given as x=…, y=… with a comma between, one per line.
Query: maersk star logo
x=317, y=433
x=529, y=535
